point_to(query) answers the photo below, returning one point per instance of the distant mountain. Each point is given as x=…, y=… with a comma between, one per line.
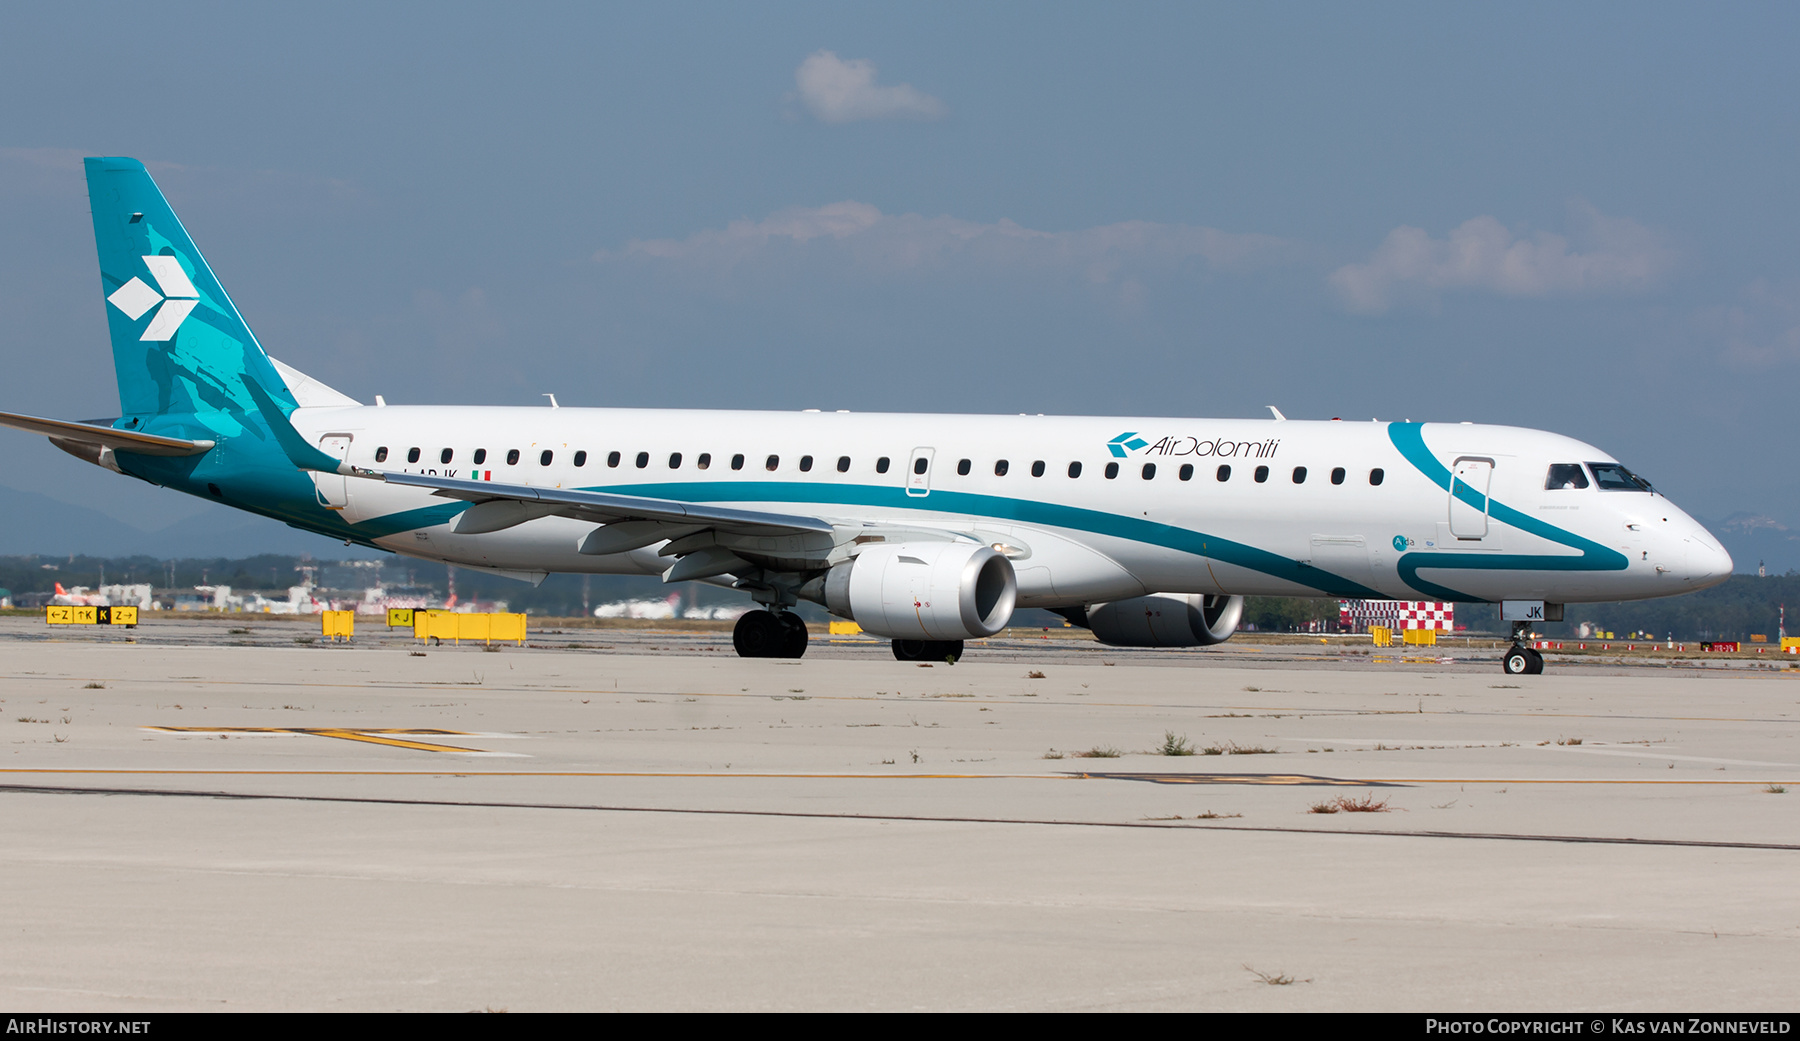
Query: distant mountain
x=1751, y=538
x=34, y=523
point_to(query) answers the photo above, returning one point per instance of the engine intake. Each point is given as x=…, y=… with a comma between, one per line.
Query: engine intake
x=925, y=590
x=1166, y=620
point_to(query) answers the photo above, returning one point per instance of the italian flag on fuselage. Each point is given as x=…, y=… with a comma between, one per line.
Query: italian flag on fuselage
x=482, y=475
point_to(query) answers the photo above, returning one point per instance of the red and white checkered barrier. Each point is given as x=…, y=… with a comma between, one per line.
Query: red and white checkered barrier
x=1359, y=615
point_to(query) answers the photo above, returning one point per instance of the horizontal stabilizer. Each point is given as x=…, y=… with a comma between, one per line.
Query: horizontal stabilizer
x=605, y=507
x=105, y=437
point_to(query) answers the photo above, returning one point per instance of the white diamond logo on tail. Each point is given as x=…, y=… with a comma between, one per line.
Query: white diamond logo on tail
x=134, y=298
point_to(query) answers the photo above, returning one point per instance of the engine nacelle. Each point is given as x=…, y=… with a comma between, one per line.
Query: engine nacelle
x=1166, y=620
x=925, y=590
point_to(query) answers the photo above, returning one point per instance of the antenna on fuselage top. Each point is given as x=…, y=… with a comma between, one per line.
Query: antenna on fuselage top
x=552, y=398
x=1277, y=412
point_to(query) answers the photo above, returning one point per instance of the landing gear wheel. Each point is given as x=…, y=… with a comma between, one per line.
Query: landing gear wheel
x=928, y=650
x=793, y=632
x=1523, y=661
x=759, y=634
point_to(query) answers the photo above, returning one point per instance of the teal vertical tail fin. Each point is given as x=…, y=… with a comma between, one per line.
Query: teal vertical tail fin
x=179, y=344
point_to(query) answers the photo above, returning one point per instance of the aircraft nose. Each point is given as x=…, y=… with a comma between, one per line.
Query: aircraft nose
x=1708, y=563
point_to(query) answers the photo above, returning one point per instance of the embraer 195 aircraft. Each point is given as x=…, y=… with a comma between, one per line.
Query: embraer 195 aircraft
x=925, y=529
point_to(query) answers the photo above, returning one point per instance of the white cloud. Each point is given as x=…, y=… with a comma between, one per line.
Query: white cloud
x=858, y=234
x=1621, y=256
x=839, y=91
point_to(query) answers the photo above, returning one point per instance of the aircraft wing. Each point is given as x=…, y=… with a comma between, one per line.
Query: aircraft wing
x=60, y=431
x=515, y=503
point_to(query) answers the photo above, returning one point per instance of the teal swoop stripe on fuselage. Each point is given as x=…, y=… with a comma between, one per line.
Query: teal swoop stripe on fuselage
x=1024, y=511
x=1409, y=438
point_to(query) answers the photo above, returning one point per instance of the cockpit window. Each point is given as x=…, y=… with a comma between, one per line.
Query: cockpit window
x=1565, y=475
x=1611, y=477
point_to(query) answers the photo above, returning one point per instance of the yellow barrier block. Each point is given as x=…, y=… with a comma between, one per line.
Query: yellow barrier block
x=450, y=625
x=337, y=624
x=507, y=627
x=1381, y=635
x=400, y=617
x=1421, y=637
x=845, y=628
x=428, y=625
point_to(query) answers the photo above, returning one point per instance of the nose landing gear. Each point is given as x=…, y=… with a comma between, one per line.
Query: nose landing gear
x=1522, y=660
x=769, y=634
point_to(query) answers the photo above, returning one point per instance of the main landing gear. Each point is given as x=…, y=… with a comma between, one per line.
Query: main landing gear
x=1520, y=659
x=769, y=634
x=928, y=650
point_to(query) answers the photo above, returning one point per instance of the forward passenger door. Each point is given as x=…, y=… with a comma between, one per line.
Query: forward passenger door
x=1469, y=520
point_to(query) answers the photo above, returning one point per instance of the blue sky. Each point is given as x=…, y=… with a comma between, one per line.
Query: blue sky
x=1574, y=217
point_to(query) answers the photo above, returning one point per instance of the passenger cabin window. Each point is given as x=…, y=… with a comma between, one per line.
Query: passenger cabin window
x=1037, y=468
x=1074, y=469
x=962, y=468
x=1299, y=475
x=737, y=461
x=643, y=460
x=1262, y=474
x=1565, y=476
x=480, y=456
x=1377, y=475
x=1611, y=477
x=381, y=454
x=703, y=460
x=1000, y=467
x=412, y=455
x=580, y=459
x=806, y=464
x=612, y=459
x=512, y=457
x=674, y=460
x=1149, y=471
x=545, y=456
x=1337, y=475
x=843, y=464
x=1112, y=470
x=772, y=462
x=881, y=465
x=445, y=456
x=1187, y=472
x=1224, y=473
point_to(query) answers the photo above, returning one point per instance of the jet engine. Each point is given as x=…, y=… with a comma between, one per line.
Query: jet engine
x=1166, y=620
x=925, y=590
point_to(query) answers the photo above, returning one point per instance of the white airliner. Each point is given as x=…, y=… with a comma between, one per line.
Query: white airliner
x=925, y=529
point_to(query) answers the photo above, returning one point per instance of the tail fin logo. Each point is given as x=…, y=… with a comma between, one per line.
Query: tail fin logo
x=177, y=299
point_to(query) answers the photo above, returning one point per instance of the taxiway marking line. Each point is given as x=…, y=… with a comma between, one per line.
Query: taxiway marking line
x=913, y=818
x=750, y=775
x=373, y=737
